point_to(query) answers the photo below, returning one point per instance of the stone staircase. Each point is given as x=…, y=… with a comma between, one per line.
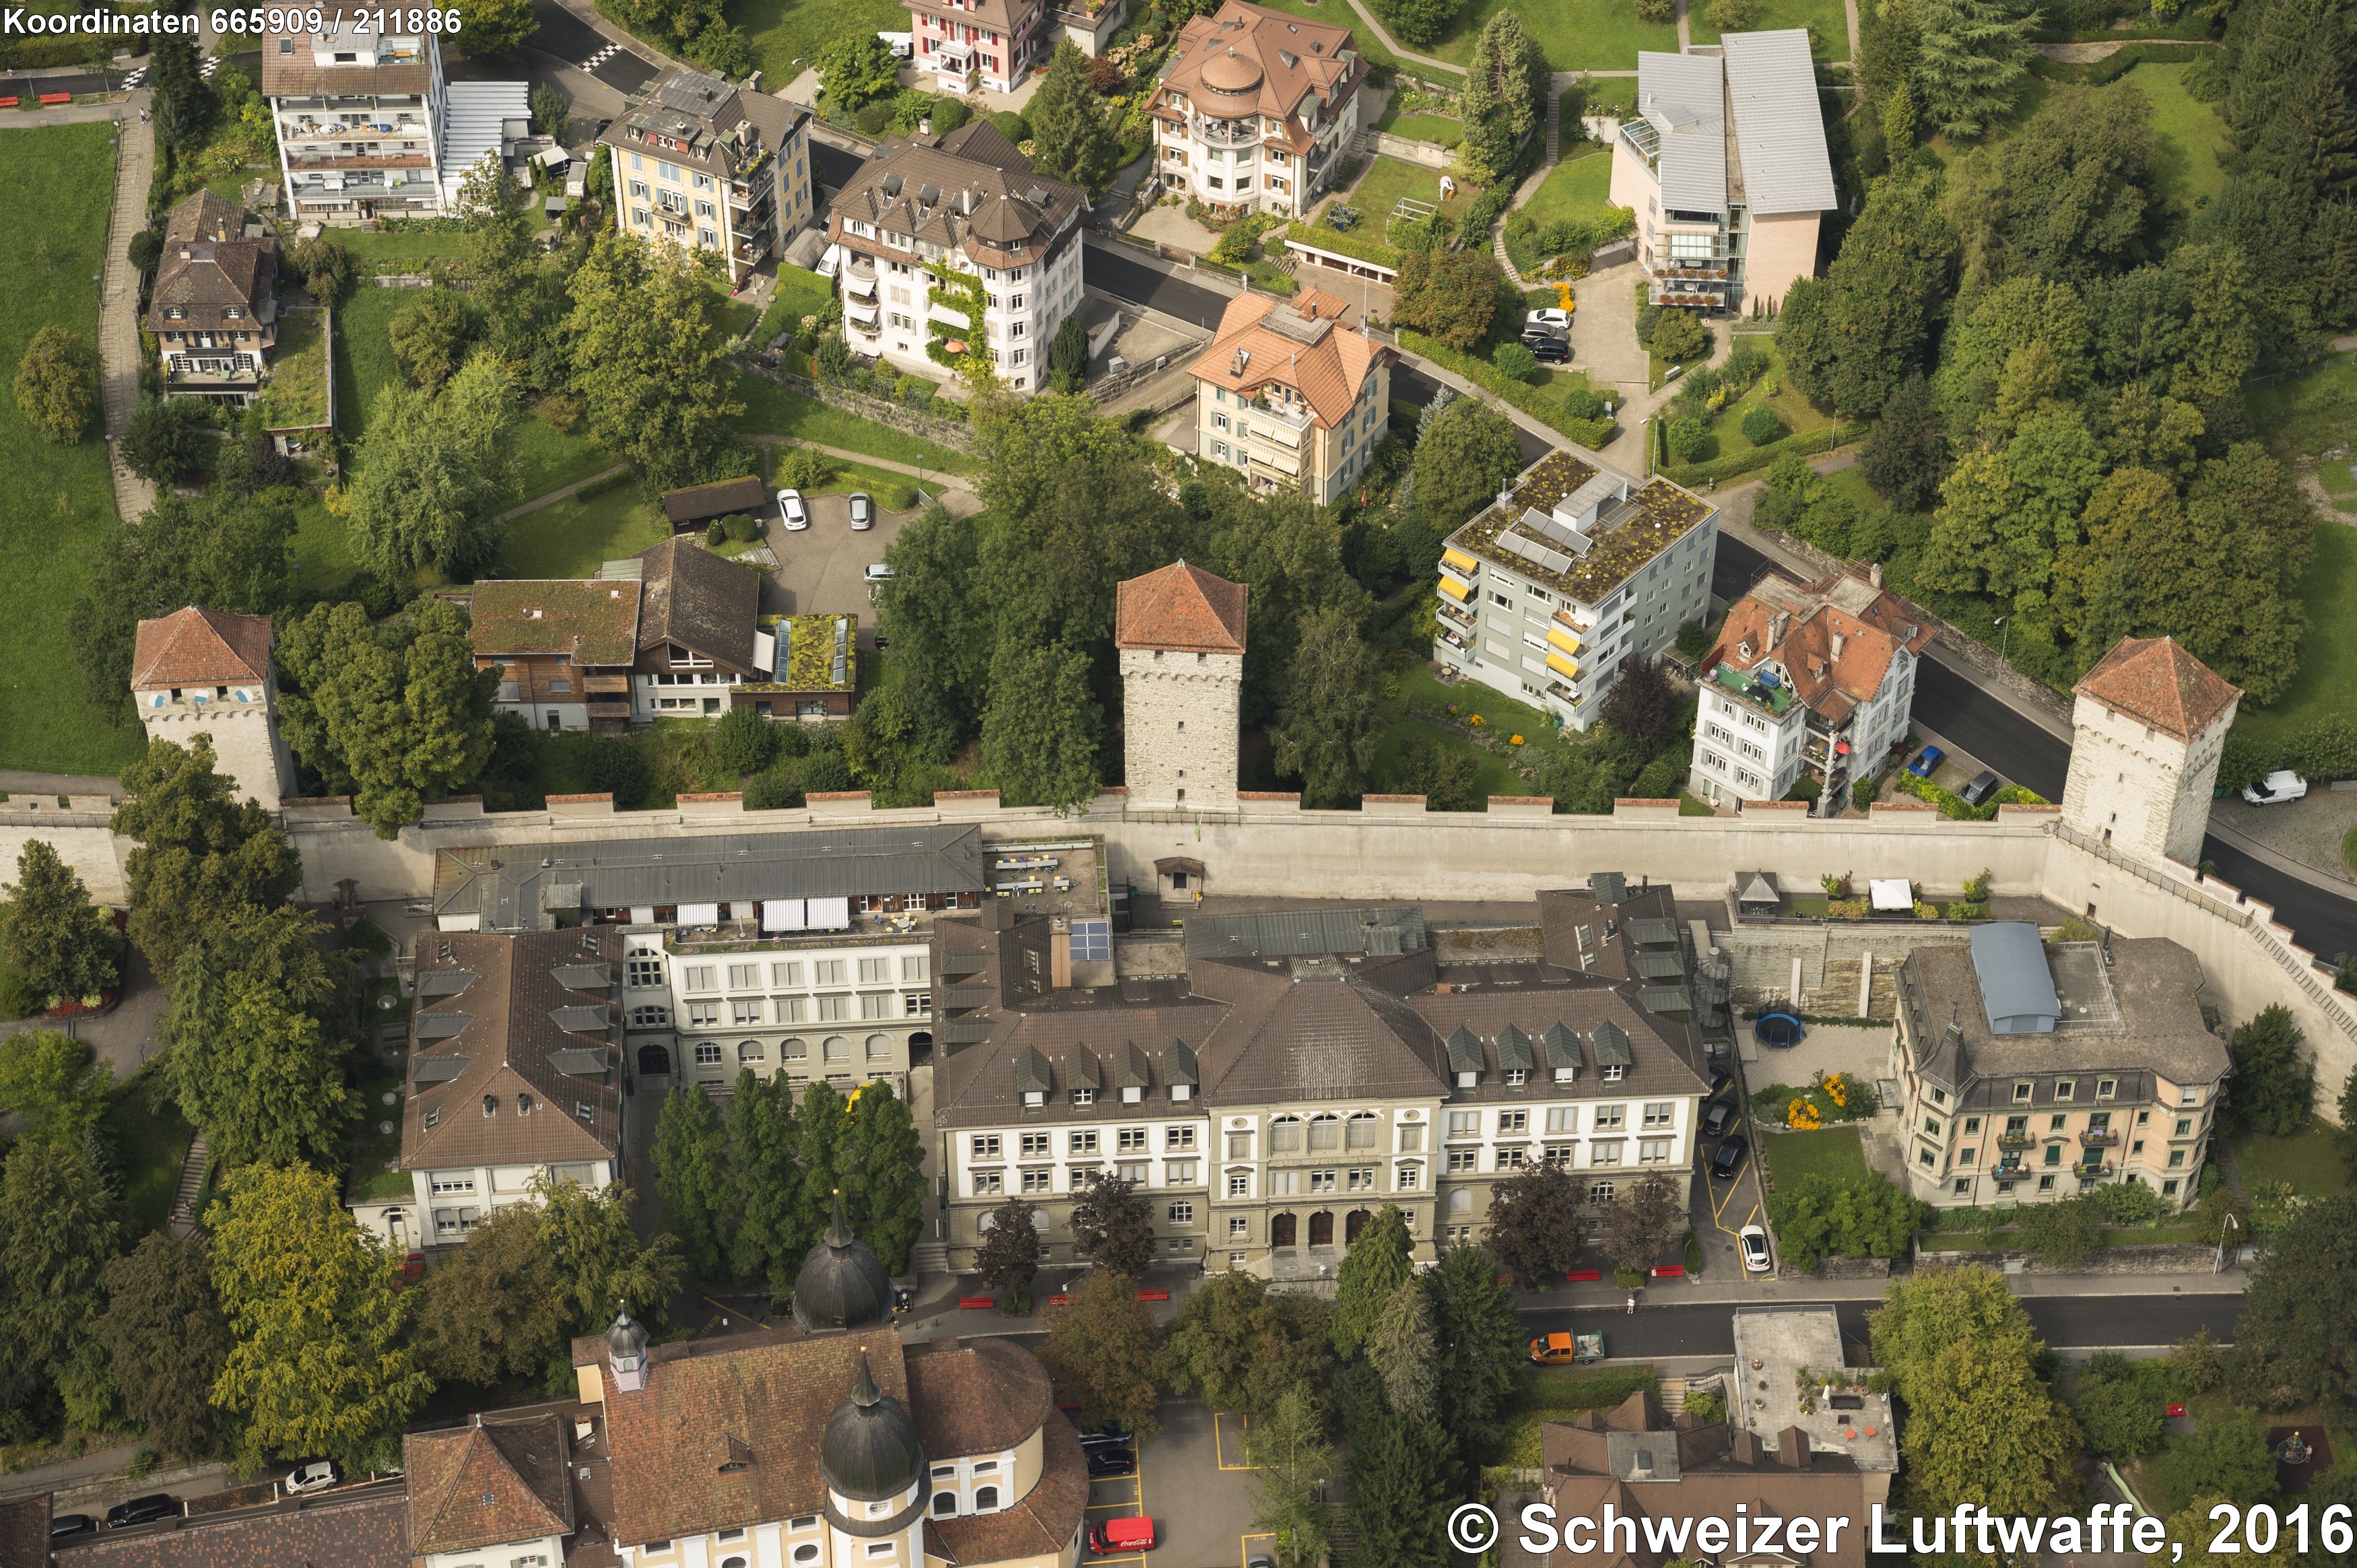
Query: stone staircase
x=930, y=1258
x=193, y=1182
x=1554, y=129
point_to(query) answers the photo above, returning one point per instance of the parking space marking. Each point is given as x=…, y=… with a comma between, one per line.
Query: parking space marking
x=1251, y=1536
x=1219, y=1446
x=1719, y=1202
x=1137, y=1502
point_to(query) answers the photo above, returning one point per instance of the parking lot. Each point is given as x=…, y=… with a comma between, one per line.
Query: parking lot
x=822, y=569
x=1192, y=1480
x=1728, y=1206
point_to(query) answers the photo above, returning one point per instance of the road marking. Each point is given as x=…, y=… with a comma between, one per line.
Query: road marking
x=1219, y=1447
x=1251, y=1536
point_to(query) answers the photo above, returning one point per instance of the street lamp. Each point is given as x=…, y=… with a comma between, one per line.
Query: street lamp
x=2005, y=639
x=2228, y=1228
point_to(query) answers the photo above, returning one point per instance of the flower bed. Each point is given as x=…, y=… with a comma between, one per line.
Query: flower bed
x=1834, y=1096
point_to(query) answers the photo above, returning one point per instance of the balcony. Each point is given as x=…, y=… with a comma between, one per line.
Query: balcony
x=1457, y=613
x=1261, y=468
x=2014, y=1140
x=359, y=161
x=2100, y=1138
x=1294, y=417
x=606, y=685
x=2011, y=1170
x=1228, y=132
x=2090, y=1170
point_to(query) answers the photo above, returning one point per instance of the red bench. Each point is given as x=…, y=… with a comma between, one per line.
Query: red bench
x=1154, y=1295
x=9, y=103
x=1060, y=1301
x=57, y=97
x=1579, y=1275
x=976, y=1303
x=1669, y=1270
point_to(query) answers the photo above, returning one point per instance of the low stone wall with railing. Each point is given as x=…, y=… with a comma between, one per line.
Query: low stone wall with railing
x=955, y=434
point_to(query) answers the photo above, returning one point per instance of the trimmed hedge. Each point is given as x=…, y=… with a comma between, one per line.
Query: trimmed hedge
x=1953, y=806
x=1810, y=443
x=1587, y=433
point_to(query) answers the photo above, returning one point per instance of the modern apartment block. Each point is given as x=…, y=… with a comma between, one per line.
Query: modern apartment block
x=1574, y=570
x=986, y=44
x=1817, y=680
x=2035, y=1070
x=702, y=163
x=1724, y=164
x=1256, y=108
x=1290, y=396
x=368, y=127
x=956, y=212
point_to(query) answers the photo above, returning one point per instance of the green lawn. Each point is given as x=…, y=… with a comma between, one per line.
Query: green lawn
x=148, y=1145
x=1387, y=180
x=1615, y=95
x=773, y=409
x=787, y=35
x=2192, y=135
x=1833, y=1152
x=1795, y=413
x=571, y=538
x=1502, y=715
x=374, y=1147
x=56, y=183
x=2310, y=409
x=2307, y=1159
x=1443, y=129
x=406, y=245
x=1580, y=187
x=323, y=548
x=1827, y=24
x=2326, y=682
x=800, y=293
x=1578, y=34
x=296, y=396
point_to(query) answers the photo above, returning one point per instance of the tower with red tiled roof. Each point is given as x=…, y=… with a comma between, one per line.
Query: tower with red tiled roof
x=199, y=672
x=1180, y=631
x=2148, y=723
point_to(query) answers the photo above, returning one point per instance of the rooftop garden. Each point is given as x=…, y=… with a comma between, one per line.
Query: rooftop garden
x=808, y=656
x=1626, y=536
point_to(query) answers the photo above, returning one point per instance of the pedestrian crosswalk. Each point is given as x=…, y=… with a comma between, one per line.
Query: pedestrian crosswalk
x=137, y=78
x=601, y=56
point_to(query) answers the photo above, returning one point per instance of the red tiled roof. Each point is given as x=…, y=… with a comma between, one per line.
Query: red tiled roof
x=1297, y=344
x=1248, y=60
x=485, y=1486
x=1182, y=609
x=1835, y=637
x=201, y=648
x=1041, y=1523
x=2156, y=682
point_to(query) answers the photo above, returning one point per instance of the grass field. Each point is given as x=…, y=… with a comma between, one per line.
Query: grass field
x=1503, y=715
x=2326, y=682
x=1615, y=95
x=296, y=396
x=1726, y=438
x=570, y=537
x=1833, y=1152
x=1828, y=25
x=1440, y=128
x=2191, y=133
x=800, y=293
x=1387, y=180
x=55, y=184
x=2307, y=1160
x=1580, y=187
x=323, y=548
x=787, y=35
x=148, y=1145
x=773, y=409
x=1578, y=34
x=401, y=245
x=2310, y=409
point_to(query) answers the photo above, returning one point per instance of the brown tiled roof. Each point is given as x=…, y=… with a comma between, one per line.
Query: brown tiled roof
x=1041, y=1523
x=1315, y=1029
x=1295, y=344
x=975, y=1086
x=981, y=1397
x=205, y=279
x=483, y=1486
x=201, y=648
x=1663, y=1053
x=296, y=75
x=361, y=1533
x=771, y=1396
x=518, y=1017
x=25, y=1531
x=593, y=621
x=208, y=215
x=700, y=503
x=705, y=603
x=1871, y=622
x=999, y=16
x=1182, y=609
x=2155, y=681
x=962, y=190
x=1247, y=61
x=1607, y=953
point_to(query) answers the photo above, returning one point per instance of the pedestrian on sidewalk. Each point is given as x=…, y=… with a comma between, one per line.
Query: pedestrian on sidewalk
x=1632, y=1306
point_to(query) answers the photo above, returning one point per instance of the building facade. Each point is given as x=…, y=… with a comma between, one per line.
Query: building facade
x=952, y=246
x=1726, y=167
x=2034, y=1071
x=360, y=118
x=1291, y=398
x=1575, y=571
x=563, y=649
x=1256, y=108
x=1181, y=633
x=2154, y=718
x=705, y=164
x=986, y=44
x=1817, y=681
x=214, y=310
x=206, y=675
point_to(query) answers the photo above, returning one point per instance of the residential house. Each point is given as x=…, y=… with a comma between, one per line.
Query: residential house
x=1256, y=108
x=988, y=44
x=368, y=126
x=1815, y=681
x=498, y=1491
x=817, y=669
x=214, y=310
x=1726, y=167
x=207, y=672
x=963, y=214
x=1088, y=25
x=699, y=631
x=1290, y=396
x=1310, y=1068
x=1574, y=572
x=2032, y=1071
x=514, y=1071
x=1667, y=1480
x=563, y=649
x=1798, y=1352
x=703, y=163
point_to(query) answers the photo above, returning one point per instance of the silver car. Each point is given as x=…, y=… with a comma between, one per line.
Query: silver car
x=863, y=511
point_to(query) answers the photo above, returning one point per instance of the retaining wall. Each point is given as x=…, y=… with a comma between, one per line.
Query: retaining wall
x=2181, y=1259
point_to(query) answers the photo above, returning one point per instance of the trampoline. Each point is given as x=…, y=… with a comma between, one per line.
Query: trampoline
x=1778, y=1030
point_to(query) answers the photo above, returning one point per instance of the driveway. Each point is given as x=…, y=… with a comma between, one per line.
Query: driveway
x=1193, y=1482
x=822, y=569
x=1726, y=1206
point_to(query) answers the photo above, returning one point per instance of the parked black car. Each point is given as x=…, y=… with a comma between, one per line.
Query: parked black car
x=1727, y=1158
x=1984, y=784
x=1105, y=1461
x=1718, y=1117
x=68, y=1524
x=1107, y=1436
x=142, y=1510
x=1547, y=348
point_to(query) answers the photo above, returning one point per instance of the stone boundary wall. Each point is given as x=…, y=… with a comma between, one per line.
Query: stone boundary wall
x=2186, y=1257
x=1431, y=155
x=949, y=433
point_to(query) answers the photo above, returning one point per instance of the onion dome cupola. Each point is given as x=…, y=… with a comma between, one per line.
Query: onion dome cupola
x=626, y=1348
x=870, y=1452
x=842, y=1284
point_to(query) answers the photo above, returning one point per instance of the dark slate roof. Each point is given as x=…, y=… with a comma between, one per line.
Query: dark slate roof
x=204, y=278
x=1374, y=932
x=705, y=603
x=2016, y=989
x=701, y=503
x=842, y=1284
x=1612, y=1045
x=871, y=1450
x=971, y=191
x=1514, y=1049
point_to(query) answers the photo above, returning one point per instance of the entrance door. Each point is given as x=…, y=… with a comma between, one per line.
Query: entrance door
x=1321, y=1228
x=1353, y=1225
x=654, y=1061
x=1280, y=1230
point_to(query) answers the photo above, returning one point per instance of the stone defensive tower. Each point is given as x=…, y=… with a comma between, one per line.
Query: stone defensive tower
x=1181, y=635
x=2149, y=722
x=207, y=672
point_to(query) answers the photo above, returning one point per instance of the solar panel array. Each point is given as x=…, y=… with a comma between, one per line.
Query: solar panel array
x=1091, y=940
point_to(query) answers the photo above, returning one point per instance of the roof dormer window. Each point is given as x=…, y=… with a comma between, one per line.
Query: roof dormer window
x=491, y=1105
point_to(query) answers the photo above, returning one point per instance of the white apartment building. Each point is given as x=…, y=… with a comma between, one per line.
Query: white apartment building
x=1256, y=108
x=957, y=213
x=1726, y=168
x=1575, y=571
x=702, y=163
x=1290, y=397
x=1817, y=680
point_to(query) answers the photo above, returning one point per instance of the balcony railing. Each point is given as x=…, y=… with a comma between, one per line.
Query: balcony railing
x=1228, y=132
x=2014, y=1140
x=2011, y=1170
x=2090, y=1170
x=2100, y=1138
x=359, y=161
x=1292, y=417
x=1459, y=614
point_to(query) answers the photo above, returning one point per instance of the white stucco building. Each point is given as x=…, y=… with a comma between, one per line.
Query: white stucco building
x=2148, y=723
x=1256, y=108
x=206, y=675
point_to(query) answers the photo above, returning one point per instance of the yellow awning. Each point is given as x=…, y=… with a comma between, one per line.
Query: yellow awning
x=1462, y=561
x=1453, y=588
x=1563, y=639
x=1563, y=667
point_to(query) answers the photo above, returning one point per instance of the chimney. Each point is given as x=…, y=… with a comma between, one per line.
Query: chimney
x=1776, y=628
x=1873, y=573
x=1837, y=641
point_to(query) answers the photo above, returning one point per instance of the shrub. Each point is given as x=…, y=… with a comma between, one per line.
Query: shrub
x=898, y=496
x=872, y=118
x=825, y=772
x=1862, y=792
x=146, y=250
x=805, y=468
x=1513, y=360
x=1581, y=404
x=949, y=114
x=1686, y=438
x=614, y=767
x=743, y=742
x=718, y=534
x=1760, y=425
x=1011, y=126
x=2129, y=1203
x=772, y=791
x=1680, y=335
x=741, y=529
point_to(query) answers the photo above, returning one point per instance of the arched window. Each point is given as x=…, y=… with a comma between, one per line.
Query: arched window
x=1285, y=1135
x=1460, y=1202
x=986, y=1499
x=1326, y=1132
x=1353, y=1223
x=945, y=1504
x=734, y=1563
x=794, y=1050
x=1321, y=1228
x=838, y=1050
x=880, y=1047
x=1364, y=1132
x=1281, y=1230
x=751, y=1051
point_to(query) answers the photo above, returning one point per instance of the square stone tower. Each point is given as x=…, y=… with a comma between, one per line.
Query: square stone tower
x=2148, y=723
x=1181, y=635
x=207, y=672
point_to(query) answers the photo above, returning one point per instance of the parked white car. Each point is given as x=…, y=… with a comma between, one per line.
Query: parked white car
x=2281, y=785
x=1757, y=1258
x=879, y=573
x=790, y=507
x=312, y=1476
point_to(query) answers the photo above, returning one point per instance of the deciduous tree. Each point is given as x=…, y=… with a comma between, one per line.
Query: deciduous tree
x=1101, y=1347
x=1113, y=1226
x=165, y=1341
x=166, y=439
x=1638, y=1223
x=431, y=338
x=818, y=1130
x=1009, y=1255
x=1462, y=460
x=1449, y=295
x=2225, y=1455
x=1534, y=1226
x=57, y=384
x=879, y=1166
x=1328, y=725
x=650, y=360
x=494, y=27
x=1239, y=1347
x=54, y=1083
x=59, y=1228
x=1822, y=1216
x=2071, y=194
x=63, y=943
x=856, y=70
x=1643, y=705
x=1876, y=318
x=1986, y=1432
x=1372, y=1270
x=601, y=1267
x=2296, y=1339
x=201, y=856
x=1291, y=1465
x=1039, y=733
x=434, y=471
x=2274, y=1089
x=768, y=1183
x=489, y=1311
x=692, y=1173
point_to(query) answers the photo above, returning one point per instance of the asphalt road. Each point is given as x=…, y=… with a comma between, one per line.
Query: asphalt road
x=565, y=38
x=1707, y=1328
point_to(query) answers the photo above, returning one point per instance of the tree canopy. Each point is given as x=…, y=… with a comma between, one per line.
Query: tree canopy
x=650, y=360
x=62, y=944
x=2296, y=1339
x=166, y=1342
x=436, y=469
x=201, y=857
